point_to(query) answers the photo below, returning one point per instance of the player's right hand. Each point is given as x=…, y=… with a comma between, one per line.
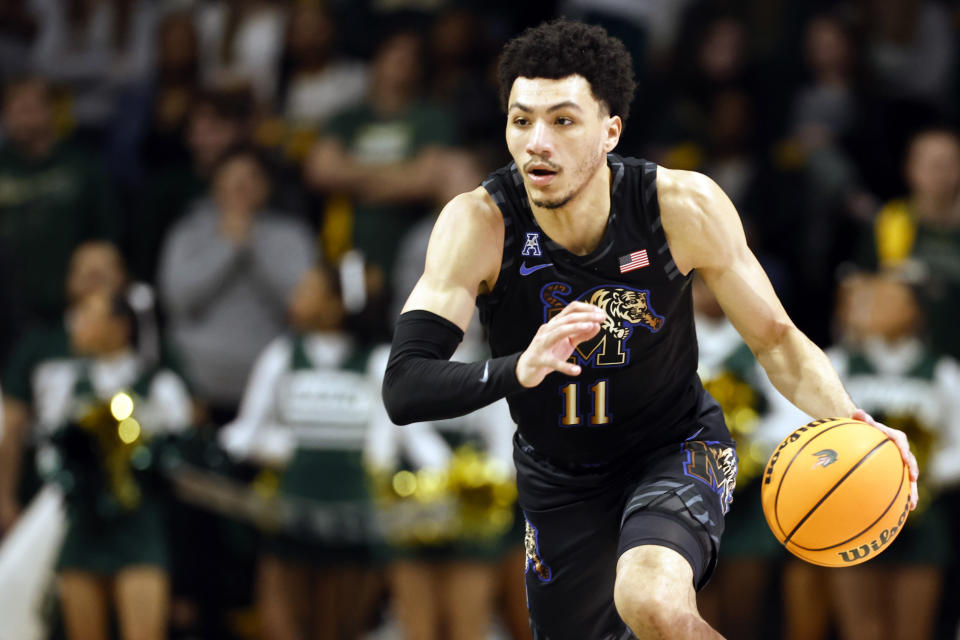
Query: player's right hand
x=556, y=340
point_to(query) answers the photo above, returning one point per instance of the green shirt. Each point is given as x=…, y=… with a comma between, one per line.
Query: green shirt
x=49, y=206
x=374, y=139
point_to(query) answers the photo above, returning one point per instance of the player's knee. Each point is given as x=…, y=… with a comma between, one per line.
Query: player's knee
x=648, y=611
x=653, y=593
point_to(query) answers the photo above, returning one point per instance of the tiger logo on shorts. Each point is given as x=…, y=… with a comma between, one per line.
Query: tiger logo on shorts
x=532, y=543
x=715, y=465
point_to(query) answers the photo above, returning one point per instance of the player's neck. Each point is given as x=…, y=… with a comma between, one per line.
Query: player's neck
x=578, y=226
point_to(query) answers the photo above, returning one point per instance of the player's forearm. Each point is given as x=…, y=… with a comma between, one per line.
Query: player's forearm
x=421, y=384
x=801, y=371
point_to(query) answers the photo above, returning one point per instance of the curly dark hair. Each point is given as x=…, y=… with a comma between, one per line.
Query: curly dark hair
x=564, y=47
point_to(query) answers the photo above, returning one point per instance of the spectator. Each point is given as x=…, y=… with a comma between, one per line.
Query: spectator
x=884, y=364
x=99, y=50
x=115, y=551
x=176, y=82
x=380, y=159
x=223, y=285
x=460, y=63
x=913, y=49
x=217, y=121
x=314, y=83
x=241, y=43
x=826, y=109
x=307, y=409
x=94, y=267
x=922, y=231
x=52, y=197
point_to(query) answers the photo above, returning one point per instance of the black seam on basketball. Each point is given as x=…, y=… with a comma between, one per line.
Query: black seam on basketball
x=776, y=497
x=834, y=487
x=872, y=524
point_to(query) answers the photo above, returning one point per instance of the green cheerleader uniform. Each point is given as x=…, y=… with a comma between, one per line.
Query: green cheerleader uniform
x=102, y=536
x=328, y=410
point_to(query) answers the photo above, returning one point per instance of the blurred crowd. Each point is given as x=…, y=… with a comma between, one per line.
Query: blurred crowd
x=216, y=208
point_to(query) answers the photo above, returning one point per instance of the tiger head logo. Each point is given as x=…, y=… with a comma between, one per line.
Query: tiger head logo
x=625, y=307
x=533, y=553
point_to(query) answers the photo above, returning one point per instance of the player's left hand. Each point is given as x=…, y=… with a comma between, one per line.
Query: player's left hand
x=900, y=439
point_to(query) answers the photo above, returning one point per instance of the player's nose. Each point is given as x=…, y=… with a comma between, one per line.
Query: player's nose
x=539, y=143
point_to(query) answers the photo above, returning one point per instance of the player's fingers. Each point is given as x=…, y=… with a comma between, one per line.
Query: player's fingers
x=569, y=330
x=579, y=316
x=913, y=466
x=578, y=306
x=563, y=366
x=914, y=496
x=899, y=438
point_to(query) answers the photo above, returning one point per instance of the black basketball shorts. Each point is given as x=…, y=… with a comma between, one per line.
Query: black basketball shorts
x=579, y=522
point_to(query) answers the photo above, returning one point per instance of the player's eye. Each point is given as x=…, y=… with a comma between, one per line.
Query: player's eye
x=520, y=122
x=564, y=121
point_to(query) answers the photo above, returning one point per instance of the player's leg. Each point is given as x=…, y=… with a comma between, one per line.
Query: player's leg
x=655, y=596
x=572, y=532
x=670, y=533
x=468, y=590
x=281, y=598
x=414, y=591
x=84, y=598
x=142, y=597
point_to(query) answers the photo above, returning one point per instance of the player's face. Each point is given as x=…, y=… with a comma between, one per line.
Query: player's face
x=558, y=134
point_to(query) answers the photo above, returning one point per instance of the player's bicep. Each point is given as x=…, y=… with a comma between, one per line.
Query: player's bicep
x=733, y=273
x=464, y=251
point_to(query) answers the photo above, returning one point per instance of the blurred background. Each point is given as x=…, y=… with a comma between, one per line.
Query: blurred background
x=212, y=211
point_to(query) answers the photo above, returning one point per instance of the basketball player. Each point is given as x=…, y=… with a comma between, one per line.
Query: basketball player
x=580, y=261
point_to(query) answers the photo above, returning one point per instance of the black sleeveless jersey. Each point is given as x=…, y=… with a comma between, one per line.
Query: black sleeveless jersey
x=638, y=388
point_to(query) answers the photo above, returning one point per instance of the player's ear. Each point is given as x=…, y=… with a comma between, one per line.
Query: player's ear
x=613, y=127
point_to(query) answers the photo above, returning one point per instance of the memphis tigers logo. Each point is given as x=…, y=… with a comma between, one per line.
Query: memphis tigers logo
x=626, y=308
x=715, y=465
x=531, y=542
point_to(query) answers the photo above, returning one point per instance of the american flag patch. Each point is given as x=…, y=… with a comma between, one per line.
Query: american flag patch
x=635, y=260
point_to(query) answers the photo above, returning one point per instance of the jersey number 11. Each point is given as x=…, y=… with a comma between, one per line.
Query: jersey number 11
x=571, y=398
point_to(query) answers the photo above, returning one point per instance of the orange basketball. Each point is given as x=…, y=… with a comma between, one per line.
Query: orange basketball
x=836, y=492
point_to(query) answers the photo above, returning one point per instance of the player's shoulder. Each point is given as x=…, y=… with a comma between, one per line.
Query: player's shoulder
x=473, y=212
x=698, y=218
x=687, y=191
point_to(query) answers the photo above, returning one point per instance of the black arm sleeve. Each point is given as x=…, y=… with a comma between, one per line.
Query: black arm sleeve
x=420, y=382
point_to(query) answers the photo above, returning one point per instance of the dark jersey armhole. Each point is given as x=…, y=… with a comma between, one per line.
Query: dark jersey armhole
x=507, y=260
x=650, y=205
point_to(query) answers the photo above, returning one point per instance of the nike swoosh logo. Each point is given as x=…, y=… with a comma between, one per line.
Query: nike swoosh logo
x=525, y=270
x=486, y=371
